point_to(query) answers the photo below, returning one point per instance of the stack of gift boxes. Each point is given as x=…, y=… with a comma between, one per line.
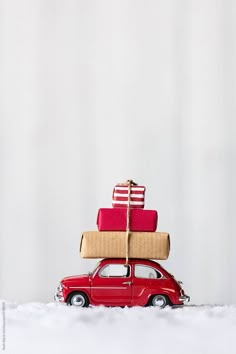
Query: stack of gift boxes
x=126, y=230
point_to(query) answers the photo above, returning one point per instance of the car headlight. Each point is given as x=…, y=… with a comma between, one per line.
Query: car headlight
x=60, y=287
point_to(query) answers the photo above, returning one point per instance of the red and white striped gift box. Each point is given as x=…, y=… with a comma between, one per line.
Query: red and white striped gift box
x=120, y=196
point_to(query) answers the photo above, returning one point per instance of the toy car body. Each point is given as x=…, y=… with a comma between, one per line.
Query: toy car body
x=113, y=283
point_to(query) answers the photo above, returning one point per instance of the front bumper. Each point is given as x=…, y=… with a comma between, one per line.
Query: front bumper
x=184, y=298
x=58, y=297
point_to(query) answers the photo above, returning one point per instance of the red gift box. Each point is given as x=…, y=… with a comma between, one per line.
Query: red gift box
x=120, y=196
x=110, y=219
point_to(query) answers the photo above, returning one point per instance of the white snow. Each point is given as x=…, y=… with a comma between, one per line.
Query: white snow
x=56, y=328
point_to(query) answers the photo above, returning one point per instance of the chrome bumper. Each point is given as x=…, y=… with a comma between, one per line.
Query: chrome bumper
x=58, y=297
x=184, y=298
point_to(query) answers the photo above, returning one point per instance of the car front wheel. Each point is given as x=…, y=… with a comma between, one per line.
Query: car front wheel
x=160, y=301
x=78, y=299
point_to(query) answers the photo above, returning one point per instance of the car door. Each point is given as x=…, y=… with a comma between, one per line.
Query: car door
x=147, y=280
x=111, y=285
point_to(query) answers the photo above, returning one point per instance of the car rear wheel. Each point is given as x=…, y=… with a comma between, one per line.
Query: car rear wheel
x=78, y=299
x=160, y=301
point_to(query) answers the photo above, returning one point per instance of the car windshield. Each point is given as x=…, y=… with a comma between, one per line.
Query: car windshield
x=93, y=270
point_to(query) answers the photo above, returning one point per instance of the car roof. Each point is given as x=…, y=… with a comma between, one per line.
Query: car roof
x=130, y=261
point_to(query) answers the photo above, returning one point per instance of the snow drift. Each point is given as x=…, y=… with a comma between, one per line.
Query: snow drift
x=56, y=328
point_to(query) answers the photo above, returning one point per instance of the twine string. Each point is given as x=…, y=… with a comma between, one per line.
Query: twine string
x=128, y=221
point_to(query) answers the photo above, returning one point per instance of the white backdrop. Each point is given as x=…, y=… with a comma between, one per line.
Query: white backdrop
x=95, y=92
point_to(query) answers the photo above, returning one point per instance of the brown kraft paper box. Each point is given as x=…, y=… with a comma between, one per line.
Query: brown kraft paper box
x=109, y=244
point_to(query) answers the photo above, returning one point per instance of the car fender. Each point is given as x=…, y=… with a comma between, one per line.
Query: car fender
x=170, y=293
x=73, y=290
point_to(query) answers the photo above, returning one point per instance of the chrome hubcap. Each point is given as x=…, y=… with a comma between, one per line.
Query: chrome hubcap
x=78, y=300
x=159, y=301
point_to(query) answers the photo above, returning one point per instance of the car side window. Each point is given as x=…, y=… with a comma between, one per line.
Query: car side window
x=141, y=271
x=115, y=270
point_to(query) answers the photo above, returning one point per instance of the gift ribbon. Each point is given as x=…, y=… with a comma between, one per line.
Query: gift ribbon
x=130, y=183
x=127, y=183
x=127, y=224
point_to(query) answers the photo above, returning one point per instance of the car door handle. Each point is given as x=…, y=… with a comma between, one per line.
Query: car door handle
x=127, y=282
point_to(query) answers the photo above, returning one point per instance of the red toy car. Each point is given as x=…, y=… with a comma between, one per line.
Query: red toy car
x=113, y=283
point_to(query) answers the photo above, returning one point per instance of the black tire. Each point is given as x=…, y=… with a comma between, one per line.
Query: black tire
x=78, y=299
x=159, y=301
